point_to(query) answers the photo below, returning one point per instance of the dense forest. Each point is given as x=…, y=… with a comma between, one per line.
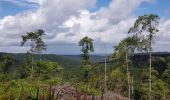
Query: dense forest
x=132, y=72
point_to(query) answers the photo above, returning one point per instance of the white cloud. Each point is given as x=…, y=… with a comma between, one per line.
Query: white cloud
x=49, y=16
x=66, y=21
x=164, y=32
x=99, y=29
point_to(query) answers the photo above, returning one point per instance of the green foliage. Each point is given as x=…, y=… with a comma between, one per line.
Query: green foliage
x=26, y=90
x=88, y=90
x=166, y=75
x=17, y=89
x=47, y=69
x=141, y=91
x=24, y=71
x=6, y=64
x=166, y=79
x=126, y=47
x=141, y=84
x=54, y=81
x=117, y=81
x=159, y=89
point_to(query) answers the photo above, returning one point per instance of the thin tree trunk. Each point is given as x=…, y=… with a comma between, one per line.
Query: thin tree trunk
x=132, y=83
x=164, y=94
x=32, y=59
x=102, y=96
x=32, y=71
x=93, y=97
x=11, y=96
x=105, y=76
x=32, y=68
x=128, y=76
x=37, y=96
x=40, y=56
x=132, y=87
x=58, y=96
x=150, y=69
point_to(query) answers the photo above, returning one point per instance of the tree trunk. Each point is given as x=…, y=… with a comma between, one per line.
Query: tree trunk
x=53, y=94
x=32, y=59
x=40, y=55
x=105, y=76
x=37, y=96
x=164, y=97
x=150, y=70
x=11, y=96
x=128, y=76
x=102, y=98
x=32, y=67
x=57, y=97
x=93, y=97
x=132, y=87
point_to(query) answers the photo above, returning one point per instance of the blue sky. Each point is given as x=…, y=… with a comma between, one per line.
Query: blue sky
x=11, y=8
x=65, y=24
x=160, y=7
x=100, y=3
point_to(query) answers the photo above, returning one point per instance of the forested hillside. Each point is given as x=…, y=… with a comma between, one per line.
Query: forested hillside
x=72, y=64
x=62, y=60
x=132, y=72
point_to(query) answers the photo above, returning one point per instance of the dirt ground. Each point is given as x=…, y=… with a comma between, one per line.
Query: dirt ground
x=67, y=92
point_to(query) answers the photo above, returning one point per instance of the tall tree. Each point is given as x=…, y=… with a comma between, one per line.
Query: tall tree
x=122, y=52
x=86, y=44
x=36, y=43
x=145, y=28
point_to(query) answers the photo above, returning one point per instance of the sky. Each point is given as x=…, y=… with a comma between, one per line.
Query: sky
x=65, y=22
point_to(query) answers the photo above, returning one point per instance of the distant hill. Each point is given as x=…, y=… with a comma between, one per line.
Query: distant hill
x=143, y=57
x=62, y=60
x=160, y=54
x=65, y=60
x=93, y=58
x=75, y=60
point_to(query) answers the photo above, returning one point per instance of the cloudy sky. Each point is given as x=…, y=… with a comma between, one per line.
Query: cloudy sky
x=67, y=21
